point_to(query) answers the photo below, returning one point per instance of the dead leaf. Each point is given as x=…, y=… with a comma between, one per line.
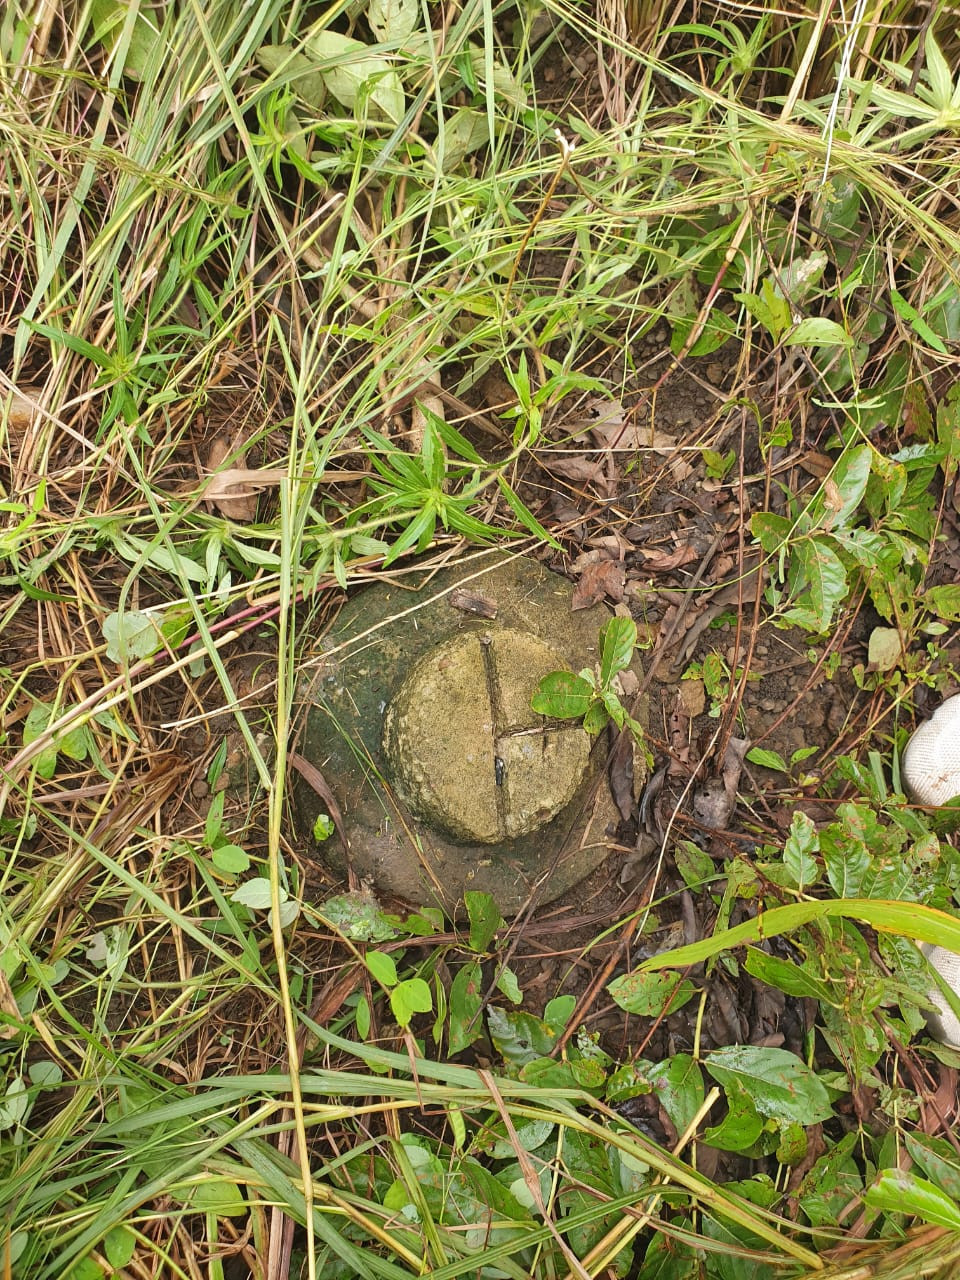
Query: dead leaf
x=692, y=697
x=884, y=649
x=592, y=469
x=600, y=579
x=8, y=1006
x=233, y=492
x=665, y=561
x=620, y=774
x=19, y=409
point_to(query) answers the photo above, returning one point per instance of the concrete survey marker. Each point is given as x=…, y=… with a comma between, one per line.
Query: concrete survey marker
x=419, y=719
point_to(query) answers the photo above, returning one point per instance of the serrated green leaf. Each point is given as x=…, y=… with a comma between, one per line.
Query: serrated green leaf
x=767, y=759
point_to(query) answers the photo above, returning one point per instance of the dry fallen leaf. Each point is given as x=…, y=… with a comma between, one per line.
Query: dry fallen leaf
x=233, y=492
x=665, y=561
x=600, y=579
x=20, y=409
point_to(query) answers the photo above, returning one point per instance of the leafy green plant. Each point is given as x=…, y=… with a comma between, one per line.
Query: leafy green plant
x=592, y=695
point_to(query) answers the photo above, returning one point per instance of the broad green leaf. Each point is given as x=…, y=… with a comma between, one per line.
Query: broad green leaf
x=906, y=919
x=693, y=863
x=717, y=330
x=86, y=1269
x=255, y=893
x=944, y=602
x=38, y=718
x=563, y=696
x=902, y=1191
x=109, y=950
x=817, y=331
x=410, y=997
x=826, y=580
x=530, y=1135
x=844, y=488
x=323, y=827
x=678, y=1082
x=463, y=131
x=800, y=276
x=485, y=919
x=14, y=1104
x=351, y=72
x=937, y=1159
x=741, y=1126
x=768, y=309
x=382, y=966
x=618, y=639
x=393, y=20
x=780, y=1086
x=216, y=1195
x=119, y=1246
x=520, y=1037
x=595, y=720
x=358, y=917
x=109, y=17
x=785, y=975
x=648, y=995
x=767, y=759
x=801, y=844
x=466, y=999
x=130, y=636
x=231, y=859
x=298, y=70
x=507, y=983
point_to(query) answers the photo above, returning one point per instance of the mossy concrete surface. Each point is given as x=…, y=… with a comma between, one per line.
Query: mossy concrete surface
x=417, y=715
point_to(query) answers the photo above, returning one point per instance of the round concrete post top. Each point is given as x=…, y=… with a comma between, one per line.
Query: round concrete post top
x=466, y=752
